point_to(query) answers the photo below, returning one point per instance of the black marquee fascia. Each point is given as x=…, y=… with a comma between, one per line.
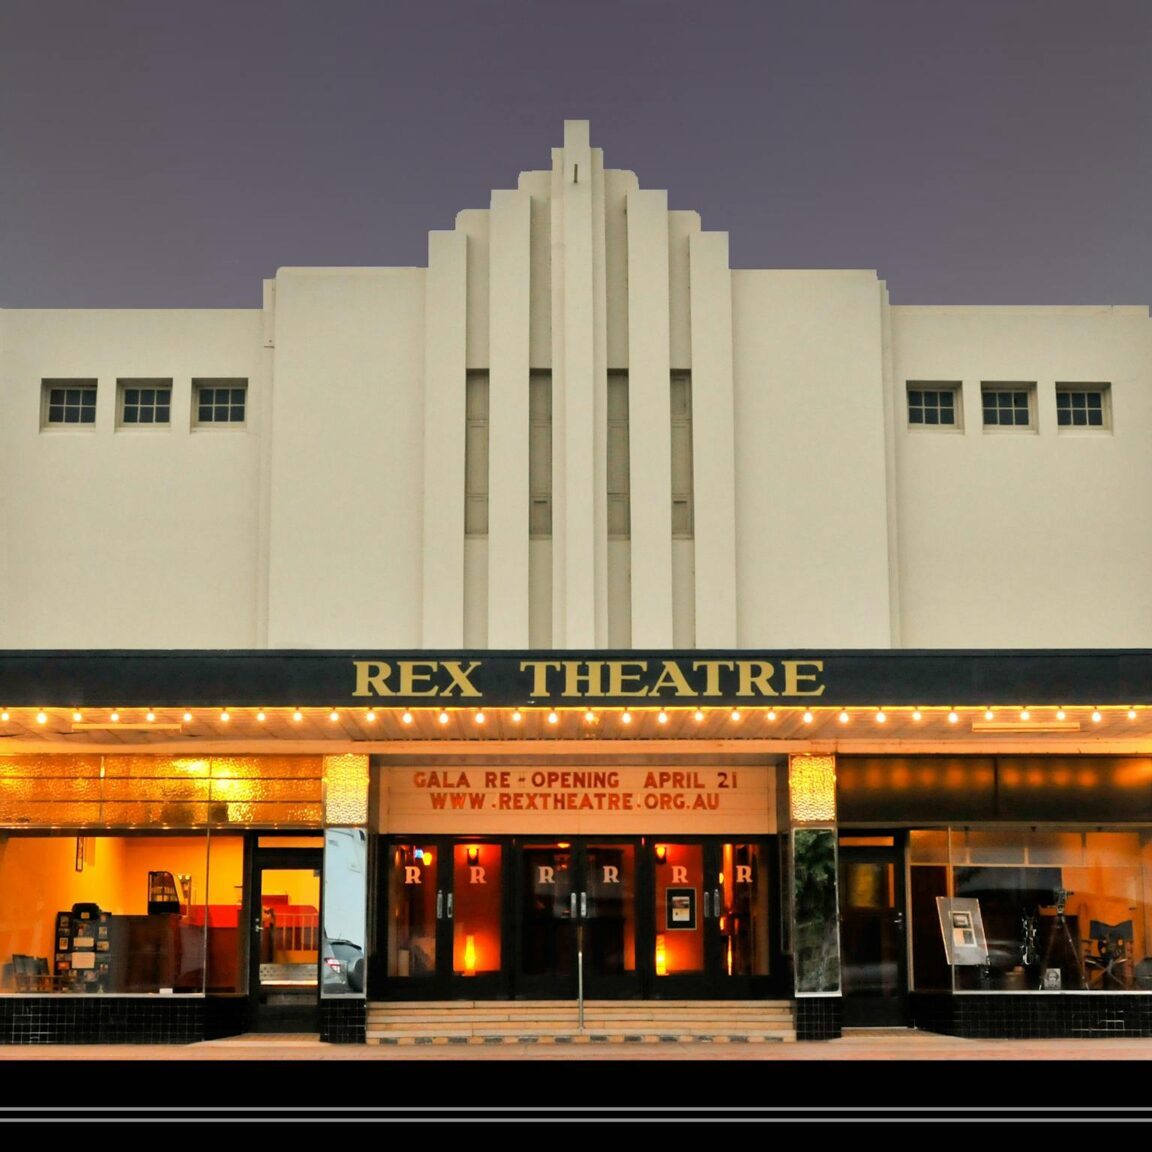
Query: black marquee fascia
x=535, y=678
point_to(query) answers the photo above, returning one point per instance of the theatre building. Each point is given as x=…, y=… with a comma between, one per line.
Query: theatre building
x=577, y=622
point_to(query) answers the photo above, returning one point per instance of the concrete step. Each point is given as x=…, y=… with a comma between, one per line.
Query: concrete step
x=559, y=1021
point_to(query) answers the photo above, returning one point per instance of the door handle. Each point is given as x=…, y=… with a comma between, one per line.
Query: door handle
x=583, y=905
x=716, y=903
x=706, y=912
x=449, y=905
x=439, y=904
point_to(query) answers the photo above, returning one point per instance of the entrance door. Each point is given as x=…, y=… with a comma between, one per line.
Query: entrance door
x=873, y=947
x=577, y=919
x=285, y=947
x=443, y=906
x=713, y=935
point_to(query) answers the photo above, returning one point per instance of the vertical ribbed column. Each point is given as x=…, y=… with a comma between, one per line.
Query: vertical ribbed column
x=574, y=379
x=445, y=327
x=713, y=440
x=508, y=481
x=649, y=419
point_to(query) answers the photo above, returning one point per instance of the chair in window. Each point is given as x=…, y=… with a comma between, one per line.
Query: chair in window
x=30, y=973
x=1109, y=952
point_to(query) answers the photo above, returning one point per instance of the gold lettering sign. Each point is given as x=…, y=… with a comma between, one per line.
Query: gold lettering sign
x=565, y=680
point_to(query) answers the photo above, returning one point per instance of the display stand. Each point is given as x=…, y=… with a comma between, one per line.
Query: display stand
x=83, y=949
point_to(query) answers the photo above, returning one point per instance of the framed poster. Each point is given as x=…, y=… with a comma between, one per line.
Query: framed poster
x=963, y=929
x=680, y=909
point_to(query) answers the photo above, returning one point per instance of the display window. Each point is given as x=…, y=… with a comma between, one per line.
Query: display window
x=124, y=914
x=1008, y=909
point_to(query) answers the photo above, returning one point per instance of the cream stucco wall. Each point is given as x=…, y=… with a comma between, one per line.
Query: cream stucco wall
x=127, y=538
x=1018, y=539
x=811, y=506
x=335, y=517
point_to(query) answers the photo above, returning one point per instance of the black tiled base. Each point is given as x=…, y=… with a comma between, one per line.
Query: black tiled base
x=818, y=1017
x=343, y=1021
x=1044, y=1015
x=100, y=1020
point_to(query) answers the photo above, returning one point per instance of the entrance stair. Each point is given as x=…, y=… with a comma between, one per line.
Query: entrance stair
x=482, y=1022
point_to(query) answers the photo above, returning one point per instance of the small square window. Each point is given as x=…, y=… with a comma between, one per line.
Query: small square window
x=67, y=403
x=1008, y=405
x=219, y=402
x=1083, y=407
x=934, y=404
x=145, y=403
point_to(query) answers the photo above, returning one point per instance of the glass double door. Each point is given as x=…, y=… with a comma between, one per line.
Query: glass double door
x=587, y=917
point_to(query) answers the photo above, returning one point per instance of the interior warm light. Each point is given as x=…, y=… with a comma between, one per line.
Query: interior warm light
x=989, y=714
x=661, y=851
x=4, y=716
x=333, y=715
x=843, y=715
x=661, y=955
x=807, y=717
x=771, y=713
x=589, y=717
x=473, y=853
x=370, y=715
x=1096, y=716
x=1131, y=713
x=469, y=955
x=626, y=718
x=917, y=714
x=1060, y=714
x=953, y=717
x=297, y=715
x=443, y=717
x=407, y=717
x=77, y=716
x=517, y=716
x=261, y=716
x=1025, y=714
x=150, y=716
x=41, y=717
x=736, y=714
x=224, y=717
x=881, y=716
x=187, y=717
x=662, y=717
x=552, y=717
x=115, y=717
x=479, y=717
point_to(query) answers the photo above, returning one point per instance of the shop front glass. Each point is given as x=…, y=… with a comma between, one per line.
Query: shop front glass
x=153, y=914
x=1011, y=909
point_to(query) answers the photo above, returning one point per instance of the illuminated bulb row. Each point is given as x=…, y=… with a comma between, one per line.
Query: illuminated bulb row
x=590, y=717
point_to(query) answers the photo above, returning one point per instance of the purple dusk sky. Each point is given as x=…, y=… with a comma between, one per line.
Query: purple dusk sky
x=156, y=153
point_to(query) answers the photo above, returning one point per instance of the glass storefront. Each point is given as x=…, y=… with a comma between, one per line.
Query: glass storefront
x=1031, y=909
x=123, y=914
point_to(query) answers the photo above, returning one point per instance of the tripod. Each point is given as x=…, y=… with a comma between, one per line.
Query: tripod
x=1062, y=936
